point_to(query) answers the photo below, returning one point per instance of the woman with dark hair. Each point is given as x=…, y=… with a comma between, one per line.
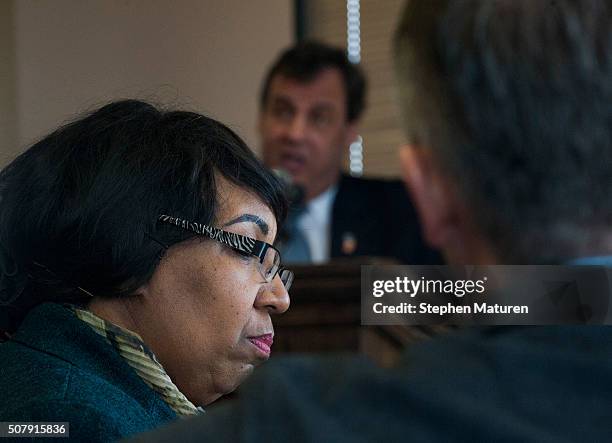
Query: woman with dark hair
x=137, y=271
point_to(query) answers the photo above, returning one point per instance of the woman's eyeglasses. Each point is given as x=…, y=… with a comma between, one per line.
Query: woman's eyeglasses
x=268, y=256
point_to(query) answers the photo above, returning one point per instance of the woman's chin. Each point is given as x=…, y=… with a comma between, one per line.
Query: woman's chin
x=229, y=384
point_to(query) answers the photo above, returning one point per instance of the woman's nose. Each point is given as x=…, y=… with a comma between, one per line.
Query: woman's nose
x=273, y=297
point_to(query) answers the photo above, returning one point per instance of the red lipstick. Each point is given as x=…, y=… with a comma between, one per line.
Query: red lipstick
x=263, y=343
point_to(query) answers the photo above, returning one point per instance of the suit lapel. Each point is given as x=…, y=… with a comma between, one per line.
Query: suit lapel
x=349, y=218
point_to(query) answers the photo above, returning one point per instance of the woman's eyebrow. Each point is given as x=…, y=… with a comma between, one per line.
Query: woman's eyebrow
x=263, y=226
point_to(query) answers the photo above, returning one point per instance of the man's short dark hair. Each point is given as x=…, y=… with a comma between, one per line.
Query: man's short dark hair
x=515, y=97
x=306, y=60
x=80, y=208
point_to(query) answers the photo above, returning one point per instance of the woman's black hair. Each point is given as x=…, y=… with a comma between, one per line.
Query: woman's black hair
x=79, y=209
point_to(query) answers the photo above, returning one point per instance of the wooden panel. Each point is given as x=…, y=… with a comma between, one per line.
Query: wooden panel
x=325, y=316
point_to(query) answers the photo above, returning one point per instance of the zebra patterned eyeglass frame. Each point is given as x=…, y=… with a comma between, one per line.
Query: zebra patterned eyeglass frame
x=268, y=256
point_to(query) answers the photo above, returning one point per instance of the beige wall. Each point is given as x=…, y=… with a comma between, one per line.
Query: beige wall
x=204, y=55
x=8, y=118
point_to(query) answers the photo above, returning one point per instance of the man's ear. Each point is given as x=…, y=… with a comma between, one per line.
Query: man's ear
x=431, y=194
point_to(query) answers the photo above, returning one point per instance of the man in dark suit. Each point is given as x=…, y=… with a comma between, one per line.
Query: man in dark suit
x=311, y=102
x=507, y=109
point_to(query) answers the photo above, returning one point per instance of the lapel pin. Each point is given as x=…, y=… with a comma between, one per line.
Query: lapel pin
x=349, y=243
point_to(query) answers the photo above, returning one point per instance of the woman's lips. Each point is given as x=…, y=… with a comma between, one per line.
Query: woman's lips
x=263, y=343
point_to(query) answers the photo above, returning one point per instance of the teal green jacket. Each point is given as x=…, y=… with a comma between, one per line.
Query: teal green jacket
x=56, y=368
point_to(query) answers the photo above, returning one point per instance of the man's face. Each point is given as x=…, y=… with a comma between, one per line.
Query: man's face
x=304, y=129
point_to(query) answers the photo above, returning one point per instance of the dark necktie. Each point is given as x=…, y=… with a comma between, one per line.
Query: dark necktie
x=295, y=249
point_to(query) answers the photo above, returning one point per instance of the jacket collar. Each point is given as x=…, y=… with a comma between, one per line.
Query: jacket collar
x=55, y=330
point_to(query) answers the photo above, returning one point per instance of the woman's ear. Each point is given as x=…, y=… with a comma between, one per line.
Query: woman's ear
x=431, y=194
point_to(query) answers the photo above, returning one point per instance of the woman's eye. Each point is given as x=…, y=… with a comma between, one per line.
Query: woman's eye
x=244, y=256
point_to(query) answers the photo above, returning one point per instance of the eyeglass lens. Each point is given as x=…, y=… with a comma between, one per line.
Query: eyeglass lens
x=286, y=277
x=270, y=265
